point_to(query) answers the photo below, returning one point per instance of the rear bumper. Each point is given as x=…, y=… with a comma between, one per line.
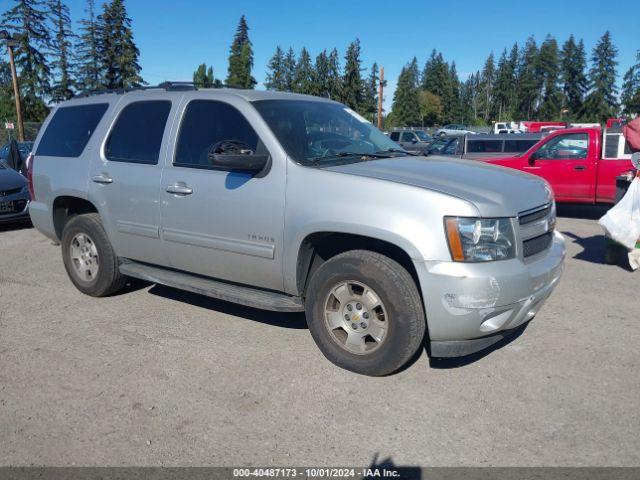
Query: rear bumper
x=42, y=219
x=473, y=305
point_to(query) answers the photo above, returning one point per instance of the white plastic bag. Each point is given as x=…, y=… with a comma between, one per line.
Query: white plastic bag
x=622, y=222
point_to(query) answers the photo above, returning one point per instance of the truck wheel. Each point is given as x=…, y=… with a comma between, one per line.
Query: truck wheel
x=88, y=257
x=365, y=313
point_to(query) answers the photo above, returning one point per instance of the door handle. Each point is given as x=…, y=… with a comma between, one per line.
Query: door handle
x=580, y=168
x=103, y=179
x=179, y=189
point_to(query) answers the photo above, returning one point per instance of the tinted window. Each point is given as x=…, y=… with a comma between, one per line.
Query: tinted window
x=70, y=129
x=612, y=142
x=137, y=134
x=451, y=148
x=565, y=147
x=206, y=123
x=407, y=137
x=484, y=146
x=516, y=146
x=395, y=136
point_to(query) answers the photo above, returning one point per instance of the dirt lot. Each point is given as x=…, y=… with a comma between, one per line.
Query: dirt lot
x=155, y=376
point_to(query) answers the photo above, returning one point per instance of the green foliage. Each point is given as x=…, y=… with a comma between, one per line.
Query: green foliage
x=352, y=92
x=64, y=84
x=321, y=79
x=304, y=77
x=631, y=89
x=241, y=58
x=486, y=86
x=529, y=81
x=370, y=100
x=203, y=77
x=430, y=108
x=88, y=54
x=335, y=86
x=118, y=51
x=548, y=63
x=601, y=102
x=289, y=70
x=275, y=72
x=573, y=63
x=504, y=87
x=406, y=99
x=28, y=18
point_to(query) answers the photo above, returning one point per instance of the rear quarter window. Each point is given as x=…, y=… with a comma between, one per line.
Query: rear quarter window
x=70, y=129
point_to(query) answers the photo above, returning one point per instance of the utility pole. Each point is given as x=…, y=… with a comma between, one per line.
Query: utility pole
x=12, y=42
x=380, y=92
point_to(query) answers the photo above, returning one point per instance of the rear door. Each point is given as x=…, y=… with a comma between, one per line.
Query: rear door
x=566, y=163
x=125, y=179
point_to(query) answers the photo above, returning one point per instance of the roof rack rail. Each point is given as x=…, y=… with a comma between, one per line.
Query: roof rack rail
x=169, y=86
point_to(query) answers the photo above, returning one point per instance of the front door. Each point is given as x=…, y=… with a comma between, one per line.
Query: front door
x=564, y=162
x=125, y=179
x=220, y=223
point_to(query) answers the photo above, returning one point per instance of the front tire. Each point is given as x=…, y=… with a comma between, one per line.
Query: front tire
x=88, y=257
x=365, y=313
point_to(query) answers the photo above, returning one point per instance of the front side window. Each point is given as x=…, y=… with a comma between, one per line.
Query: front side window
x=70, y=129
x=137, y=134
x=321, y=133
x=207, y=123
x=422, y=136
x=572, y=146
x=407, y=137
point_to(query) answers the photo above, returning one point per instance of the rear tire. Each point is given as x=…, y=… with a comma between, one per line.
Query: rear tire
x=386, y=322
x=88, y=257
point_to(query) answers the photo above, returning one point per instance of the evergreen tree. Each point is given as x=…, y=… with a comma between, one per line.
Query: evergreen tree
x=511, y=105
x=61, y=52
x=203, y=77
x=28, y=19
x=289, y=71
x=241, y=58
x=529, y=83
x=88, y=67
x=601, y=102
x=119, y=53
x=548, y=61
x=304, y=77
x=452, y=101
x=574, y=81
x=321, y=75
x=406, y=99
x=275, y=74
x=334, y=77
x=370, y=101
x=631, y=89
x=487, y=81
x=7, y=105
x=505, y=82
x=469, y=95
x=353, y=95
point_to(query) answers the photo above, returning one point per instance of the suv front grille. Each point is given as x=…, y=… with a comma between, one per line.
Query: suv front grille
x=536, y=229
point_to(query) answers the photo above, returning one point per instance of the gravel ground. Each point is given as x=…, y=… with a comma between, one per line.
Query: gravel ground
x=155, y=376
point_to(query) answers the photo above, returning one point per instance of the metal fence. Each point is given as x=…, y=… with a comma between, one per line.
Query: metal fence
x=30, y=131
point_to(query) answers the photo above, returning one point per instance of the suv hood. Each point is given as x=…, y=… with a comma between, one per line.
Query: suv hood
x=495, y=191
x=10, y=179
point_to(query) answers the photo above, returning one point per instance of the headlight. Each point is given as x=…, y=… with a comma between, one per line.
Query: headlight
x=480, y=239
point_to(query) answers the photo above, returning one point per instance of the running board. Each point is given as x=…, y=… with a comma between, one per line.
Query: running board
x=251, y=297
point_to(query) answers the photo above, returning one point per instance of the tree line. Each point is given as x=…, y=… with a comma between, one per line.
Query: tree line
x=545, y=82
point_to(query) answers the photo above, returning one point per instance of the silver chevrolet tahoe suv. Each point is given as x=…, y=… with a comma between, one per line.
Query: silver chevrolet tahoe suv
x=294, y=203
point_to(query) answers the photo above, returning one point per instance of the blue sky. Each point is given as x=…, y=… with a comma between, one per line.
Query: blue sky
x=175, y=36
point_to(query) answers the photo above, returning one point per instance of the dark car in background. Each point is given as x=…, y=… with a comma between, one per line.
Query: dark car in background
x=14, y=195
x=412, y=140
x=481, y=146
x=23, y=147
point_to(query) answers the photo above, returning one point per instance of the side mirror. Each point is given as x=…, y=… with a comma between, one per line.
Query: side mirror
x=235, y=155
x=635, y=159
x=532, y=158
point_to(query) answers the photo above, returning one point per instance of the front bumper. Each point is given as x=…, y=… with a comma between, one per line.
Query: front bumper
x=22, y=215
x=469, y=301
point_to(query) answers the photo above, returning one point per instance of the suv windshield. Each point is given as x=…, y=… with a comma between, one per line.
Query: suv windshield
x=315, y=133
x=422, y=136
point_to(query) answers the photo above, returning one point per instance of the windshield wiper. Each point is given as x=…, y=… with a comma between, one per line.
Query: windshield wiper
x=395, y=150
x=363, y=156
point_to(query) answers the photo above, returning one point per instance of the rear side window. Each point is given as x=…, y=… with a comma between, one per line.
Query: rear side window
x=484, y=146
x=206, y=123
x=137, y=134
x=70, y=129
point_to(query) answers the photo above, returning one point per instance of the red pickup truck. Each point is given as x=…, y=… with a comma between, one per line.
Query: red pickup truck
x=581, y=164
